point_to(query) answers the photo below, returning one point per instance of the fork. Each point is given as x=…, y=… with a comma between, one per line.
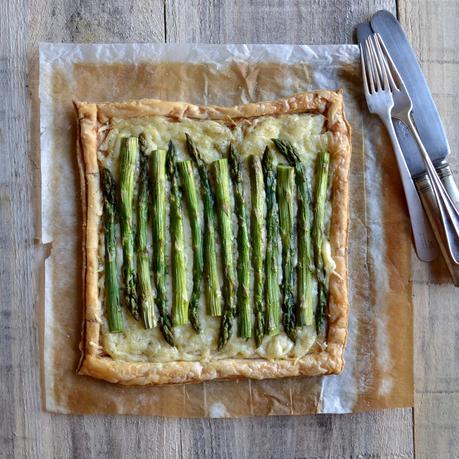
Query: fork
x=380, y=102
x=402, y=108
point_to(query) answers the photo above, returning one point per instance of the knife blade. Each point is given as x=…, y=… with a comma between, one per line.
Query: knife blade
x=425, y=113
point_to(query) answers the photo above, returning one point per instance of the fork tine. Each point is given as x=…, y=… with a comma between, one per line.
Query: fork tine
x=371, y=73
x=374, y=59
x=390, y=66
x=364, y=70
x=380, y=62
x=376, y=65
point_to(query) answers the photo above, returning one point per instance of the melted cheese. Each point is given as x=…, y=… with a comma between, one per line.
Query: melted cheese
x=212, y=138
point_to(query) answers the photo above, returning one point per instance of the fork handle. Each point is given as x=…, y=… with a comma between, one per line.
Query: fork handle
x=448, y=211
x=424, y=239
x=433, y=212
x=446, y=176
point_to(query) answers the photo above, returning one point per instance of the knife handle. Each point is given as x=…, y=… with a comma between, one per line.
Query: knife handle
x=433, y=213
x=446, y=176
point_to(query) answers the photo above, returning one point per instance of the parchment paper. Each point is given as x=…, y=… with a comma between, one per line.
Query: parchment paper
x=378, y=372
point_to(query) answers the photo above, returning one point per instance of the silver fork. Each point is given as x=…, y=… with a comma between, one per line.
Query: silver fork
x=380, y=102
x=402, y=110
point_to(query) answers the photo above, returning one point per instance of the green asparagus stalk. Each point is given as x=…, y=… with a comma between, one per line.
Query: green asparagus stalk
x=257, y=245
x=180, y=305
x=243, y=260
x=144, y=290
x=128, y=159
x=211, y=281
x=112, y=292
x=272, y=234
x=320, y=197
x=305, y=266
x=158, y=187
x=185, y=169
x=226, y=237
x=285, y=189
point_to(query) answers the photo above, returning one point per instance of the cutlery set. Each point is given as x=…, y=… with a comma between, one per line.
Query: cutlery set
x=396, y=90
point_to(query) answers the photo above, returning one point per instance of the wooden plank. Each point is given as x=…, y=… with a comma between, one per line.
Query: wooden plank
x=432, y=29
x=268, y=21
x=436, y=427
x=358, y=435
x=92, y=21
x=436, y=317
x=27, y=431
x=381, y=434
x=19, y=373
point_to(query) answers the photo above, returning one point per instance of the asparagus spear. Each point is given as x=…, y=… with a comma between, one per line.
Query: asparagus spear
x=180, y=305
x=158, y=186
x=187, y=176
x=144, y=293
x=257, y=245
x=305, y=267
x=243, y=260
x=226, y=237
x=320, y=196
x=285, y=184
x=112, y=293
x=272, y=233
x=211, y=282
x=128, y=159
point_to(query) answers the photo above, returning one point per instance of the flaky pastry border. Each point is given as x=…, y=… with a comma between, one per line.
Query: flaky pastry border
x=326, y=360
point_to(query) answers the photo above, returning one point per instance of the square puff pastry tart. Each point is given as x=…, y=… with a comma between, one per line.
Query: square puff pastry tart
x=312, y=121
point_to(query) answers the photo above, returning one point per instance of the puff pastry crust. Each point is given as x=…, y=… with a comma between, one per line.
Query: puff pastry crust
x=320, y=360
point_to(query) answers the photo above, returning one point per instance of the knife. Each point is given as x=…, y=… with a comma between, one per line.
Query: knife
x=423, y=238
x=427, y=121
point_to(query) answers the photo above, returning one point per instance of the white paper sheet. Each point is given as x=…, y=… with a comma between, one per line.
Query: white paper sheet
x=379, y=348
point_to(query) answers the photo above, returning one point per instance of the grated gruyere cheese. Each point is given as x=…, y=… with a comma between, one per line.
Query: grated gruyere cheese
x=306, y=133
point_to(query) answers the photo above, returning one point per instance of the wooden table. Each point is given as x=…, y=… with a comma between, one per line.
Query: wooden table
x=430, y=430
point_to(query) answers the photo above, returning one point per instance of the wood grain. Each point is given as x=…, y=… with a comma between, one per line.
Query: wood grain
x=25, y=429
x=268, y=21
x=432, y=29
x=436, y=425
x=19, y=374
